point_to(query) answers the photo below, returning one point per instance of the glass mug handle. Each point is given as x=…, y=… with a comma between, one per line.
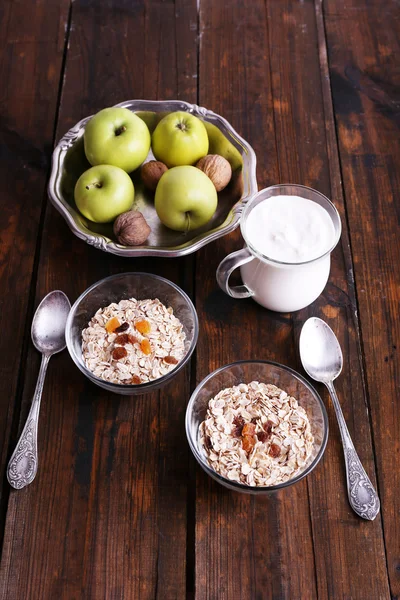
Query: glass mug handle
x=227, y=266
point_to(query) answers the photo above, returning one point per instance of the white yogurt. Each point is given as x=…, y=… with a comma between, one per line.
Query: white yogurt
x=290, y=229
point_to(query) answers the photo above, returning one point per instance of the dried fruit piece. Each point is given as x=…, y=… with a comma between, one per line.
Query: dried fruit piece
x=133, y=339
x=274, y=451
x=136, y=380
x=112, y=325
x=248, y=443
x=143, y=327
x=249, y=429
x=238, y=426
x=268, y=427
x=122, y=339
x=171, y=360
x=122, y=328
x=118, y=353
x=262, y=436
x=145, y=347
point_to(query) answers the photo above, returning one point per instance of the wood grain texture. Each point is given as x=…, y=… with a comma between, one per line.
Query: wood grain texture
x=302, y=150
x=119, y=510
x=31, y=51
x=245, y=547
x=306, y=128
x=365, y=75
x=106, y=516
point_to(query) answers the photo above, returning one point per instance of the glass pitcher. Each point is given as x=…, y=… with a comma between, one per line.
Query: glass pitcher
x=279, y=286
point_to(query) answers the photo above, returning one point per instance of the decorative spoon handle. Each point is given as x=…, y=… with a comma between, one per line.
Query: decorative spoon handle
x=362, y=495
x=22, y=468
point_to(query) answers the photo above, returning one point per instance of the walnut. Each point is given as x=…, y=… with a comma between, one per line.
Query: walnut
x=217, y=168
x=131, y=228
x=151, y=173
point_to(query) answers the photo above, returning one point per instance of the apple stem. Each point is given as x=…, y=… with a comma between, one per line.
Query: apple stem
x=120, y=130
x=182, y=126
x=187, y=222
x=92, y=185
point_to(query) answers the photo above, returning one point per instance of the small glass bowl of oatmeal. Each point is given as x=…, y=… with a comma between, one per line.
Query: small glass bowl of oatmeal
x=132, y=333
x=256, y=426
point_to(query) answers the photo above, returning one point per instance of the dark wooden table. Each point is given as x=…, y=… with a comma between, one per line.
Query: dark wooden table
x=119, y=510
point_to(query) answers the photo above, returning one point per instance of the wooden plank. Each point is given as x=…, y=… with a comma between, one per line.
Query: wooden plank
x=31, y=51
x=109, y=501
x=363, y=44
x=303, y=133
x=307, y=127
x=245, y=547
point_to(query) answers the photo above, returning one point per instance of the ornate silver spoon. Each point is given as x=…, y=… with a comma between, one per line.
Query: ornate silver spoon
x=48, y=336
x=322, y=359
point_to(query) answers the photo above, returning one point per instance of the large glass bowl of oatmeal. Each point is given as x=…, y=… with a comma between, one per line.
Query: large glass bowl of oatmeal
x=256, y=426
x=131, y=333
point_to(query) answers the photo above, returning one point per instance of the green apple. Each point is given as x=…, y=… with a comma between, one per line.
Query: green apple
x=179, y=139
x=185, y=198
x=116, y=136
x=104, y=192
x=219, y=144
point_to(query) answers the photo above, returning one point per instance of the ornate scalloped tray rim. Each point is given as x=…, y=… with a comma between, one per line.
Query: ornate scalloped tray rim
x=103, y=243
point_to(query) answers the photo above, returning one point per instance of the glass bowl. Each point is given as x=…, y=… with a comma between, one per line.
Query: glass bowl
x=266, y=372
x=122, y=287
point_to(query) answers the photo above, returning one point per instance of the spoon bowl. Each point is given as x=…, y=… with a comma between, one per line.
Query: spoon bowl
x=48, y=325
x=320, y=351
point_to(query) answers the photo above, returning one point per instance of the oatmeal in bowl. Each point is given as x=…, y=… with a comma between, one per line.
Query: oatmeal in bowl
x=131, y=333
x=256, y=426
x=133, y=341
x=256, y=434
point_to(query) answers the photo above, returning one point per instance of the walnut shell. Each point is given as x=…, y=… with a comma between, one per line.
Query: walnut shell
x=217, y=168
x=131, y=228
x=151, y=173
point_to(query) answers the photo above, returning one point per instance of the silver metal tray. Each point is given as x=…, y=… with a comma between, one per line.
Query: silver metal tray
x=69, y=162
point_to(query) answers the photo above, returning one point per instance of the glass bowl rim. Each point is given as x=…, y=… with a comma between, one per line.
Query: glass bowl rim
x=143, y=387
x=241, y=486
x=249, y=207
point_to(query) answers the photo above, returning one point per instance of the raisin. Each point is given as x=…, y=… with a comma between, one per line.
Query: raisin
x=262, y=436
x=122, y=328
x=237, y=431
x=249, y=429
x=274, y=451
x=136, y=380
x=248, y=443
x=133, y=339
x=122, y=338
x=145, y=347
x=171, y=360
x=238, y=423
x=268, y=426
x=112, y=325
x=143, y=326
x=118, y=353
